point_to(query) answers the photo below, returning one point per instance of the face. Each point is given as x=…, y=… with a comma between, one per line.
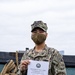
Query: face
x=38, y=36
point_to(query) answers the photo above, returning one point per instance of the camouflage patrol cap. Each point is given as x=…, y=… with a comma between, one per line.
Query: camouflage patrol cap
x=39, y=24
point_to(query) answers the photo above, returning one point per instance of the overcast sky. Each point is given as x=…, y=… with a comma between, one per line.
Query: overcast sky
x=16, y=17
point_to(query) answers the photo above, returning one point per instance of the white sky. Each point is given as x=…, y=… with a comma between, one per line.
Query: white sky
x=16, y=17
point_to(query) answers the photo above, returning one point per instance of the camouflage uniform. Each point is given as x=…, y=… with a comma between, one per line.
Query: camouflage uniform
x=56, y=63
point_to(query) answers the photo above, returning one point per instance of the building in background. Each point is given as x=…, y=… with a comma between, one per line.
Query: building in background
x=68, y=59
x=61, y=52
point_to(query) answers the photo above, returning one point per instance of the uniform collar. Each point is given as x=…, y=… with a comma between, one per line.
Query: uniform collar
x=44, y=52
x=45, y=48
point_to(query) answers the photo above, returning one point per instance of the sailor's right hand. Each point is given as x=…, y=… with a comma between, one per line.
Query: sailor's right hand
x=24, y=65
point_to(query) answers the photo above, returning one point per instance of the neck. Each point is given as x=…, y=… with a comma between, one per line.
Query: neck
x=40, y=47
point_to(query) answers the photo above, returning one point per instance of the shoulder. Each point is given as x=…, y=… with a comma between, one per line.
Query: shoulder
x=53, y=50
x=28, y=51
x=56, y=56
x=26, y=54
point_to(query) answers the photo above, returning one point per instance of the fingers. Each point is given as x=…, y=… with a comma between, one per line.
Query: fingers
x=25, y=62
x=24, y=65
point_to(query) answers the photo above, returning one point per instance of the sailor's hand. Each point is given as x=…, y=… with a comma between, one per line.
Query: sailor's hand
x=24, y=65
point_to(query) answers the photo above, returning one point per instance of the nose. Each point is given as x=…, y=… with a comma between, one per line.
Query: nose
x=38, y=31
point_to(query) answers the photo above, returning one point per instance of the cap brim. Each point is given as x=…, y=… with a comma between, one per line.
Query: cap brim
x=38, y=27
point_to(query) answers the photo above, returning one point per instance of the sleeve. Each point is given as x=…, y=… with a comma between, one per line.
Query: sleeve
x=22, y=72
x=58, y=65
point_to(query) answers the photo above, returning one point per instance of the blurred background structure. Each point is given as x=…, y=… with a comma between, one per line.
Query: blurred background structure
x=6, y=56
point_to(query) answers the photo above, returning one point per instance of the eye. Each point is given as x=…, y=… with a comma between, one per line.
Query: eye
x=41, y=31
x=38, y=30
x=35, y=31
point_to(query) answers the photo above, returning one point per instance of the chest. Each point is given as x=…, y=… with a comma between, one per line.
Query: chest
x=40, y=56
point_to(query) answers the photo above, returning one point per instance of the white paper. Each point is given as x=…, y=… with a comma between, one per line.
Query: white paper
x=38, y=68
